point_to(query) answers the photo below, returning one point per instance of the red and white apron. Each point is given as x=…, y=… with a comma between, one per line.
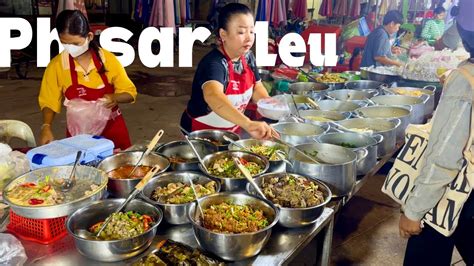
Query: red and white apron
x=239, y=91
x=115, y=130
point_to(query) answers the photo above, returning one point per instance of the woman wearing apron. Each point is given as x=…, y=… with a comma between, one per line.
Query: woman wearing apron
x=84, y=71
x=227, y=79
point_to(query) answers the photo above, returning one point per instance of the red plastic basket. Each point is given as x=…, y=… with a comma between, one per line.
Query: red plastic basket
x=43, y=231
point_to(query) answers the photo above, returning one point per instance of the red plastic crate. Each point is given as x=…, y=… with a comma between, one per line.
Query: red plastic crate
x=43, y=231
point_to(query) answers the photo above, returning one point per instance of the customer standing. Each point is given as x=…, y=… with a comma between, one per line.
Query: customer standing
x=444, y=159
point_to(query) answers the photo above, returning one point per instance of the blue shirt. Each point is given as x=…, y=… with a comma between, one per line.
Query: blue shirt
x=377, y=44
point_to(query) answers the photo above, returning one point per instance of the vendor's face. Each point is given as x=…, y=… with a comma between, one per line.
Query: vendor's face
x=393, y=27
x=239, y=36
x=78, y=40
x=441, y=16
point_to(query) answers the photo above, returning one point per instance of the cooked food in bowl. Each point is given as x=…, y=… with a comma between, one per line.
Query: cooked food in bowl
x=213, y=141
x=313, y=154
x=178, y=159
x=233, y=219
x=124, y=171
x=226, y=168
x=414, y=93
x=179, y=193
x=347, y=145
x=269, y=152
x=298, y=132
x=123, y=226
x=292, y=191
x=330, y=78
x=318, y=118
x=46, y=192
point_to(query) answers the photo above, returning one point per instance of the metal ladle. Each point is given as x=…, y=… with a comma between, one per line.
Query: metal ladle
x=195, y=195
x=248, y=176
x=196, y=153
x=149, y=148
x=71, y=181
x=297, y=150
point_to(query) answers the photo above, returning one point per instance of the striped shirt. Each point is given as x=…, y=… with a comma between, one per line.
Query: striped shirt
x=433, y=30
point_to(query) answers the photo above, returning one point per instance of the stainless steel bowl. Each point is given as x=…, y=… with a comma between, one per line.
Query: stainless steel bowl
x=417, y=105
x=337, y=168
x=308, y=88
x=182, y=149
x=233, y=247
x=274, y=165
x=430, y=92
x=385, y=78
x=175, y=213
x=299, y=133
x=363, y=85
x=302, y=102
x=332, y=115
x=336, y=105
x=78, y=198
x=215, y=135
x=234, y=184
x=121, y=188
x=113, y=250
x=351, y=95
x=295, y=217
x=389, y=113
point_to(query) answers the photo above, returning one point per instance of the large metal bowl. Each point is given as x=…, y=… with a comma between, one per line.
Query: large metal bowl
x=234, y=184
x=113, y=250
x=182, y=149
x=337, y=168
x=302, y=102
x=337, y=105
x=234, y=247
x=78, y=198
x=295, y=217
x=417, y=105
x=384, y=78
x=121, y=188
x=430, y=92
x=175, y=213
x=351, y=95
x=332, y=115
x=274, y=166
x=388, y=113
x=308, y=88
x=215, y=135
x=363, y=85
x=299, y=133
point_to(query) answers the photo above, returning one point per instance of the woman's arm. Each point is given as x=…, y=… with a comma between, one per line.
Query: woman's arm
x=46, y=135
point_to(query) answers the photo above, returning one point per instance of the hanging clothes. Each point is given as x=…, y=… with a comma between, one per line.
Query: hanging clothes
x=300, y=8
x=163, y=14
x=342, y=8
x=383, y=9
x=182, y=12
x=143, y=10
x=72, y=5
x=355, y=9
x=326, y=8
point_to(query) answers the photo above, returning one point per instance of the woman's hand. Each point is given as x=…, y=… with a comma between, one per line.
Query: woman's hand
x=46, y=135
x=408, y=227
x=110, y=101
x=260, y=130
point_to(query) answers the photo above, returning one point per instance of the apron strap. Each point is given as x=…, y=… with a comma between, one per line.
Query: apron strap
x=98, y=65
x=72, y=68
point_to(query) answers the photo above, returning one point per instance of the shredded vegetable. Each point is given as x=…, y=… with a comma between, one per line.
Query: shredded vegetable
x=123, y=225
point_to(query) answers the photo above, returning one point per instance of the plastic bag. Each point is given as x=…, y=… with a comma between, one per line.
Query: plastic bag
x=86, y=117
x=11, y=251
x=12, y=164
x=273, y=108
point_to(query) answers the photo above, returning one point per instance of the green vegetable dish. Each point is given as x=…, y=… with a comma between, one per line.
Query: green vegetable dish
x=347, y=145
x=234, y=219
x=226, y=168
x=268, y=152
x=123, y=226
x=179, y=193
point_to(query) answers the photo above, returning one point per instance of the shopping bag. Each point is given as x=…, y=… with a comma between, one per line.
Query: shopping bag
x=407, y=166
x=86, y=117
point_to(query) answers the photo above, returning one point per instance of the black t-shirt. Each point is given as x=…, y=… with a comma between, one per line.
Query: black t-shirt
x=214, y=67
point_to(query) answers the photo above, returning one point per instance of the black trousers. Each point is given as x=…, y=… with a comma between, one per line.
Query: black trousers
x=432, y=248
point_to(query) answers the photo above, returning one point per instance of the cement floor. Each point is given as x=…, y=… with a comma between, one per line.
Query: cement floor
x=366, y=232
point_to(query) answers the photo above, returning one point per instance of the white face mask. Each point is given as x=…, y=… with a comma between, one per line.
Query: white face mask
x=77, y=50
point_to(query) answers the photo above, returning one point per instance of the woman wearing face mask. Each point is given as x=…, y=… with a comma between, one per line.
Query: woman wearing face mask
x=227, y=79
x=85, y=71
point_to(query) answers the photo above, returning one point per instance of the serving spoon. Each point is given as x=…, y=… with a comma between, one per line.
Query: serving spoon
x=149, y=148
x=197, y=154
x=248, y=176
x=71, y=181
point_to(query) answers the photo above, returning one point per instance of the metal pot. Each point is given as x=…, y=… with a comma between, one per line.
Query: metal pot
x=229, y=183
x=338, y=167
x=384, y=78
x=332, y=115
x=295, y=217
x=308, y=88
x=274, y=166
x=361, y=142
x=417, y=105
x=388, y=113
x=388, y=129
x=336, y=105
x=302, y=102
x=364, y=85
x=420, y=93
x=78, y=200
x=175, y=213
x=111, y=250
x=298, y=133
x=181, y=149
x=121, y=188
x=233, y=247
x=215, y=136
x=350, y=95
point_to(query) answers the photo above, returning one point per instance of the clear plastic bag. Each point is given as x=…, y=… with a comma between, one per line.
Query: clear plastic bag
x=86, y=117
x=273, y=108
x=12, y=164
x=11, y=251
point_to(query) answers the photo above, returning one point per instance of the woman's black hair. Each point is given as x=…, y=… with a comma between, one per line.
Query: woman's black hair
x=439, y=10
x=226, y=12
x=393, y=16
x=74, y=22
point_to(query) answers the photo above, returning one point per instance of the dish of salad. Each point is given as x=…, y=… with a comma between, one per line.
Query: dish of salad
x=226, y=168
x=123, y=225
x=266, y=151
x=179, y=193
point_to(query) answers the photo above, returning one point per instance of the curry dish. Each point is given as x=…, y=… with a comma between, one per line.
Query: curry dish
x=124, y=171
